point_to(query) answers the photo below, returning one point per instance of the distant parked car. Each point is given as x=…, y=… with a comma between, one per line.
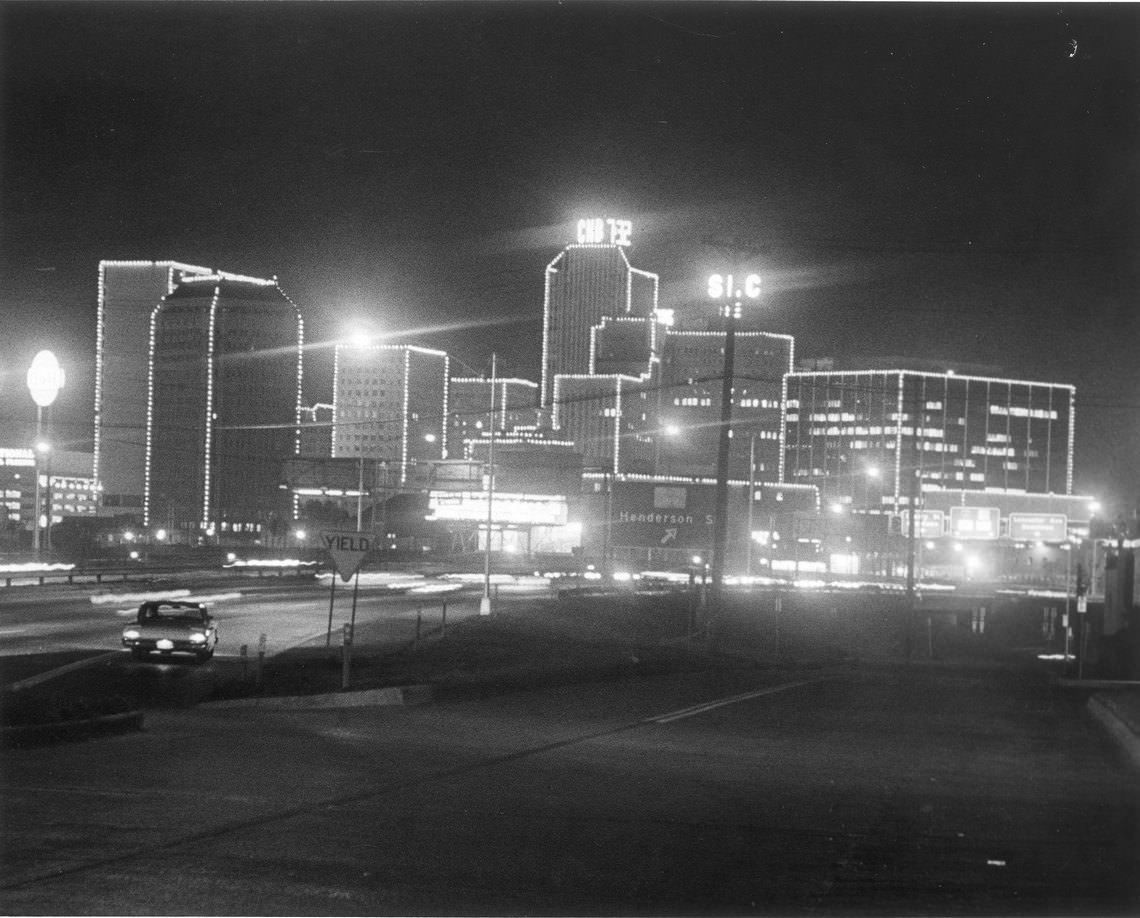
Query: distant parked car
x=168, y=627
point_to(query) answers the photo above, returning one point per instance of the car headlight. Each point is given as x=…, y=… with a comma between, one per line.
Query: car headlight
x=197, y=638
x=131, y=634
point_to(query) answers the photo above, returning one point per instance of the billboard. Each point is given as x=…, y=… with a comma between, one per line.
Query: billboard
x=975, y=522
x=1039, y=527
x=507, y=509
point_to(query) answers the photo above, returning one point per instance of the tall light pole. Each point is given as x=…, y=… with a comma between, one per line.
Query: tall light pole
x=45, y=379
x=729, y=292
x=751, y=497
x=485, y=602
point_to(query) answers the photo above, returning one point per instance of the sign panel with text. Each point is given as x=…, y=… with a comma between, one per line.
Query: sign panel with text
x=646, y=515
x=347, y=549
x=1038, y=527
x=975, y=522
x=928, y=524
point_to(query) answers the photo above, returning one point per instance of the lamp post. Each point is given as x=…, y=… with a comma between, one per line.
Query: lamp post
x=729, y=292
x=485, y=602
x=45, y=379
x=751, y=498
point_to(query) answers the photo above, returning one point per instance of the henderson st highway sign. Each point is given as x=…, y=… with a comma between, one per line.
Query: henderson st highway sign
x=647, y=515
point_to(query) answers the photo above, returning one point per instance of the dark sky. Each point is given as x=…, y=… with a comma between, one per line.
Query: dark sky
x=952, y=181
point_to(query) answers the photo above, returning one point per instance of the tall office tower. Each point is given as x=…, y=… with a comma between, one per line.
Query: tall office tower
x=225, y=402
x=469, y=408
x=608, y=419
x=857, y=435
x=390, y=404
x=128, y=293
x=692, y=367
x=586, y=282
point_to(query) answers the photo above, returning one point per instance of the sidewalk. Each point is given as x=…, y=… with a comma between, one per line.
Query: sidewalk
x=1118, y=713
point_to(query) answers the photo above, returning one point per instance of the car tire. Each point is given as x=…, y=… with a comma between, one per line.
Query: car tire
x=138, y=653
x=204, y=655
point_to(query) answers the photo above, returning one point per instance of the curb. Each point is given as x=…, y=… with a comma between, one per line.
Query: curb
x=393, y=695
x=33, y=734
x=1104, y=711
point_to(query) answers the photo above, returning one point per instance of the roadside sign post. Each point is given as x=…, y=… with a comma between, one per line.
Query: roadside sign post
x=346, y=657
x=347, y=548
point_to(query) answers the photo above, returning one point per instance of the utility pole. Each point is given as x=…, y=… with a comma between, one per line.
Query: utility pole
x=912, y=514
x=485, y=602
x=730, y=291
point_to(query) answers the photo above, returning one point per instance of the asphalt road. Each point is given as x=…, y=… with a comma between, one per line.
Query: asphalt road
x=887, y=790
x=44, y=627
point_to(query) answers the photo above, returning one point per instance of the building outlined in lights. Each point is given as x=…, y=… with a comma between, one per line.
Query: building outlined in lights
x=224, y=388
x=390, y=404
x=853, y=433
x=692, y=364
x=469, y=409
x=584, y=284
x=128, y=294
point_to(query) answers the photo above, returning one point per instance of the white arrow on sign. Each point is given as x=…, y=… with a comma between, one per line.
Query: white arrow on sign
x=347, y=549
x=670, y=535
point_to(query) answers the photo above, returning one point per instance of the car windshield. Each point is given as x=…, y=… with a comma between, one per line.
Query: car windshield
x=175, y=614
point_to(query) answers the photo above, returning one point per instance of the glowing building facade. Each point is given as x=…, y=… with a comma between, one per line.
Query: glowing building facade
x=224, y=387
x=586, y=283
x=390, y=403
x=608, y=418
x=859, y=434
x=469, y=409
x=692, y=364
x=128, y=293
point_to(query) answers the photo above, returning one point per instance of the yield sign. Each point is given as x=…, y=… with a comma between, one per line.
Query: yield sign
x=347, y=549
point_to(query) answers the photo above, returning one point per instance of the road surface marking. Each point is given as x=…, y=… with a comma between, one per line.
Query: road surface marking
x=732, y=699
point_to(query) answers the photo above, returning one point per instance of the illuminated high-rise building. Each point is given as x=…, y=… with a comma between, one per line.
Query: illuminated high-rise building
x=586, y=283
x=390, y=404
x=469, y=408
x=688, y=429
x=128, y=293
x=224, y=386
x=858, y=434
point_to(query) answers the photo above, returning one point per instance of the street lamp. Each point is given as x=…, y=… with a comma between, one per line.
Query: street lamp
x=729, y=292
x=485, y=602
x=45, y=379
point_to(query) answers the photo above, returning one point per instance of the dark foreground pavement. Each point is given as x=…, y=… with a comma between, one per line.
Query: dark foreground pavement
x=881, y=790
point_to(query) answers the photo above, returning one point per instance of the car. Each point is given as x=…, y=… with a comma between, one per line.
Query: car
x=168, y=627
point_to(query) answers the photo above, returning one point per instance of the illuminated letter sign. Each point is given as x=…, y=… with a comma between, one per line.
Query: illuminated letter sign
x=724, y=287
x=604, y=231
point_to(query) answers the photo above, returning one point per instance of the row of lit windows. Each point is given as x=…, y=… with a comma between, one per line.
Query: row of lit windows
x=691, y=401
x=759, y=403
x=933, y=433
x=1014, y=412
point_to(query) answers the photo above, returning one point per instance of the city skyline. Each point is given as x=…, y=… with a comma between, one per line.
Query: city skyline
x=941, y=182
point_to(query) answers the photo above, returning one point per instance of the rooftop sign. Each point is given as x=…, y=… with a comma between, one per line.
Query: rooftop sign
x=604, y=231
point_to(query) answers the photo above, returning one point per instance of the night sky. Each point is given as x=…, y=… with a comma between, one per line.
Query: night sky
x=950, y=181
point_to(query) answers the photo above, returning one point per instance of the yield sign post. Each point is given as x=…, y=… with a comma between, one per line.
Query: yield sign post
x=347, y=549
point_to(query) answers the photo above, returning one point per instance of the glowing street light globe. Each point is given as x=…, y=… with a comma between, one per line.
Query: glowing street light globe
x=45, y=378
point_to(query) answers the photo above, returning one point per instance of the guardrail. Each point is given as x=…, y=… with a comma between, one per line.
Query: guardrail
x=123, y=574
